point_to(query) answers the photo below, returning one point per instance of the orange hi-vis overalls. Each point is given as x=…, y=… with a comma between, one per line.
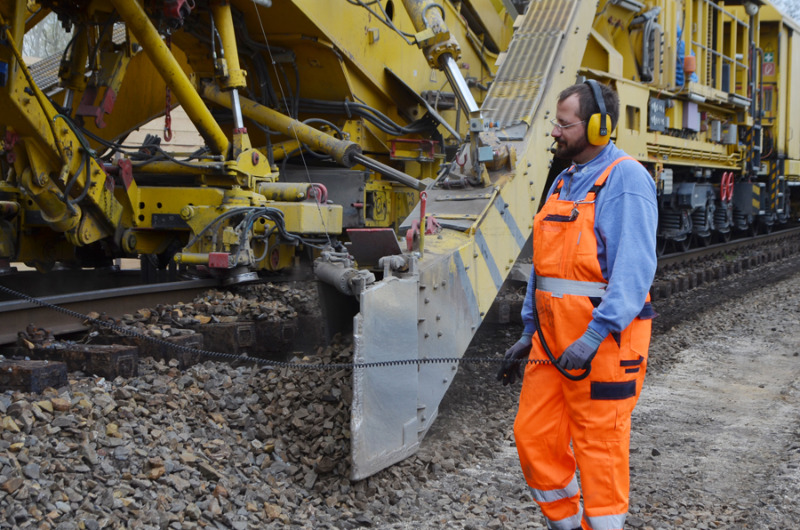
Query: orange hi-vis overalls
x=594, y=413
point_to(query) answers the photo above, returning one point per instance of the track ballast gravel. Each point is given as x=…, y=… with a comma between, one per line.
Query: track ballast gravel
x=715, y=443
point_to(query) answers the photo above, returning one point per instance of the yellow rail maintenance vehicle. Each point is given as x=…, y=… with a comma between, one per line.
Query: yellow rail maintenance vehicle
x=398, y=147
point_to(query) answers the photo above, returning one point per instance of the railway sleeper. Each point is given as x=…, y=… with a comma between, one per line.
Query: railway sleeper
x=662, y=289
x=275, y=340
x=112, y=355
x=181, y=348
x=103, y=360
x=31, y=376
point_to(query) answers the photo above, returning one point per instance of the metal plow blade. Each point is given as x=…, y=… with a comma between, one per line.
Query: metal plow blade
x=425, y=316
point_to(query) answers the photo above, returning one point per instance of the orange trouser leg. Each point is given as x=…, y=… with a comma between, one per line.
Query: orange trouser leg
x=600, y=431
x=542, y=434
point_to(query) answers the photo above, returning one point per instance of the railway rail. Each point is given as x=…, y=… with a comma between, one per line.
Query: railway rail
x=687, y=270
x=112, y=301
x=711, y=251
x=115, y=294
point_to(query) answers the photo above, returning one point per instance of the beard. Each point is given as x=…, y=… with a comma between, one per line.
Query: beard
x=568, y=150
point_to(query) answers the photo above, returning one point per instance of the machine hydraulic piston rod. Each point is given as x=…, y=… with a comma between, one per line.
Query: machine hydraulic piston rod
x=342, y=151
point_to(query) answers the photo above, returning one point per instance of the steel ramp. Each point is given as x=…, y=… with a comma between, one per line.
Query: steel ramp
x=434, y=311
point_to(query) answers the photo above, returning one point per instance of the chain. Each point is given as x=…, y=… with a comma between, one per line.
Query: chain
x=266, y=362
x=168, y=109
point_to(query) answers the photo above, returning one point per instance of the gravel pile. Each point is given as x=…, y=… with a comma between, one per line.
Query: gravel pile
x=215, y=443
x=267, y=301
x=245, y=303
x=716, y=439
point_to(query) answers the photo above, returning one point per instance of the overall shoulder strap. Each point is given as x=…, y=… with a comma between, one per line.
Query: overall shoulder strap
x=557, y=191
x=601, y=180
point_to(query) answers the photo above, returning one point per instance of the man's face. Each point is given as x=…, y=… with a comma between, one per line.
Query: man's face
x=571, y=140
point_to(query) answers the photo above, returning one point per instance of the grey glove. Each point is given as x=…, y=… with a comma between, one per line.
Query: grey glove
x=580, y=353
x=512, y=366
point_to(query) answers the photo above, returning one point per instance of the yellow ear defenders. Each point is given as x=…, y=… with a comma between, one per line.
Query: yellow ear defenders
x=598, y=128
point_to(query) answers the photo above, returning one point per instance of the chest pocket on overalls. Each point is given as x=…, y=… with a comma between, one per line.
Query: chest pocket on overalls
x=553, y=228
x=581, y=246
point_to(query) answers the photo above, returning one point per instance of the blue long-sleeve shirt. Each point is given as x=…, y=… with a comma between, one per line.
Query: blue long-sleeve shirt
x=626, y=218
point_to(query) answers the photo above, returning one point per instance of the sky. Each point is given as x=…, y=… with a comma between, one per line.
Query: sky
x=790, y=7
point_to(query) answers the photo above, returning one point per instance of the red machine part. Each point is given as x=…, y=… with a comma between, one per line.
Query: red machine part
x=726, y=186
x=425, y=149
x=218, y=260
x=8, y=146
x=175, y=11
x=432, y=226
x=320, y=192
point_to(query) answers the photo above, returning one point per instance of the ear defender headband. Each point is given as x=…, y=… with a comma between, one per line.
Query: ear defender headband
x=598, y=128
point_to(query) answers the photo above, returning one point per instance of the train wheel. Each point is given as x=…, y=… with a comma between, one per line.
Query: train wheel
x=724, y=237
x=702, y=241
x=661, y=246
x=683, y=245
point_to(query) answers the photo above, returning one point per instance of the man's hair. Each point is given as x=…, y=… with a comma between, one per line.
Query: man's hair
x=588, y=105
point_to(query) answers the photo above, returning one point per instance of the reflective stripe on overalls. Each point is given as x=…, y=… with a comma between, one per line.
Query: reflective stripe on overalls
x=593, y=413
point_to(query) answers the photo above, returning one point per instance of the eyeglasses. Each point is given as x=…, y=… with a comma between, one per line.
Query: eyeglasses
x=567, y=126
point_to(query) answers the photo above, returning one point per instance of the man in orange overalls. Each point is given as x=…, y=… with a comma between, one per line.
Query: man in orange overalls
x=594, y=259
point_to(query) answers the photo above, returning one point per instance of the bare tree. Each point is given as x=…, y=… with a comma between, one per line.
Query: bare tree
x=790, y=7
x=46, y=38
